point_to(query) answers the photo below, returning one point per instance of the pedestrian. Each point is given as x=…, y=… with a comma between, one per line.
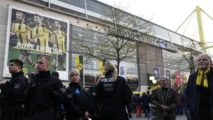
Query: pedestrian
x=137, y=103
x=145, y=99
x=199, y=90
x=165, y=100
x=12, y=95
x=78, y=105
x=114, y=94
x=180, y=104
x=44, y=92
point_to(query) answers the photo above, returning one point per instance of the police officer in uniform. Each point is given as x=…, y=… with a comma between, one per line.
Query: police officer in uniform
x=12, y=92
x=78, y=105
x=114, y=94
x=44, y=92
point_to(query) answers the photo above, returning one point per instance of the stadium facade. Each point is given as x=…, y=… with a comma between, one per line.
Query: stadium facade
x=59, y=28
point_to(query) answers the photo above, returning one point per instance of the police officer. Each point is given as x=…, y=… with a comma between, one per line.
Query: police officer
x=114, y=94
x=96, y=108
x=59, y=108
x=44, y=92
x=12, y=92
x=78, y=104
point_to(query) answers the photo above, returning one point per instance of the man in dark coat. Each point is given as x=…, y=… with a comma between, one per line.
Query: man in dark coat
x=44, y=92
x=114, y=94
x=199, y=90
x=12, y=96
x=165, y=100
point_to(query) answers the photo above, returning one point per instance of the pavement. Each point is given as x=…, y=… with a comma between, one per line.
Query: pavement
x=178, y=117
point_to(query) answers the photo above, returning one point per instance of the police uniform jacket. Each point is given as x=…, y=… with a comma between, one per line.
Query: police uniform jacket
x=114, y=95
x=44, y=92
x=12, y=92
x=78, y=102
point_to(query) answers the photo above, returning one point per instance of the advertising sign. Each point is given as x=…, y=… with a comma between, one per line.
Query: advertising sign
x=30, y=35
x=178, y=79
x=156, y=73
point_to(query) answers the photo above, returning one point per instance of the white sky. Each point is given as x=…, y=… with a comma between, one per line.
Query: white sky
x=171, y=14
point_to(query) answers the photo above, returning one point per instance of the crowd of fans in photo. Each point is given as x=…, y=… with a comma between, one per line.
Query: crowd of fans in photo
x=42, y=96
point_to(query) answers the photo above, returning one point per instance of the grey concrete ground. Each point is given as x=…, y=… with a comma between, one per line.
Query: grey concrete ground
x=178, y=117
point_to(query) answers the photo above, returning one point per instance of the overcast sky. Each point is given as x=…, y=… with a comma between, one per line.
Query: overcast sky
x=171, y=13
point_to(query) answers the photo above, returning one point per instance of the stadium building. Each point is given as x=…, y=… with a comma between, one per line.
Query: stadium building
x=71, y=31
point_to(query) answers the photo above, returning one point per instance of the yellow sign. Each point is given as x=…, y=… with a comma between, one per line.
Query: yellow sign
x=79, y=66
x=101, y=67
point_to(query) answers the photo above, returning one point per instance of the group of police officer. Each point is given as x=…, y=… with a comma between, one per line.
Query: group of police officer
x=45, y=98
x=36, y=100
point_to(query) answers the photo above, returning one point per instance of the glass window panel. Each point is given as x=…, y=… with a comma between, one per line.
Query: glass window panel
x=146, y=27
x=174, y=61
x=78, y=3
x=161, y=33
x=187, y=42
x=175, y=38
x=198, y=46
x=98, y=8
x=92, y=40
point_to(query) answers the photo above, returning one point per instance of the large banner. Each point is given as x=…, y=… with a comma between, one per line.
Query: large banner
x=30, y=35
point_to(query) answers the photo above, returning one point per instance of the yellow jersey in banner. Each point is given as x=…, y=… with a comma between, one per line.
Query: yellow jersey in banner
x=22, y=31
x=60, y=40
x=41, y=36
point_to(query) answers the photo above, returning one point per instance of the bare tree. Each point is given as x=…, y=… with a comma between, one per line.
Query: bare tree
x=117, y=39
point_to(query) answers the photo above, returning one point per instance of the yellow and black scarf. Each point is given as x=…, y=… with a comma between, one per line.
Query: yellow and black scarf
x=202, y=78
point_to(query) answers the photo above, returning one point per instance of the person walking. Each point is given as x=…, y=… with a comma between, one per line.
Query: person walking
x=114, y=94
x=137, y=103
x=78, y=105
x=43, y=93
x=12, y=96
x=199, y=90
x=165, y=99
x=180, y=104
x=145, y=99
